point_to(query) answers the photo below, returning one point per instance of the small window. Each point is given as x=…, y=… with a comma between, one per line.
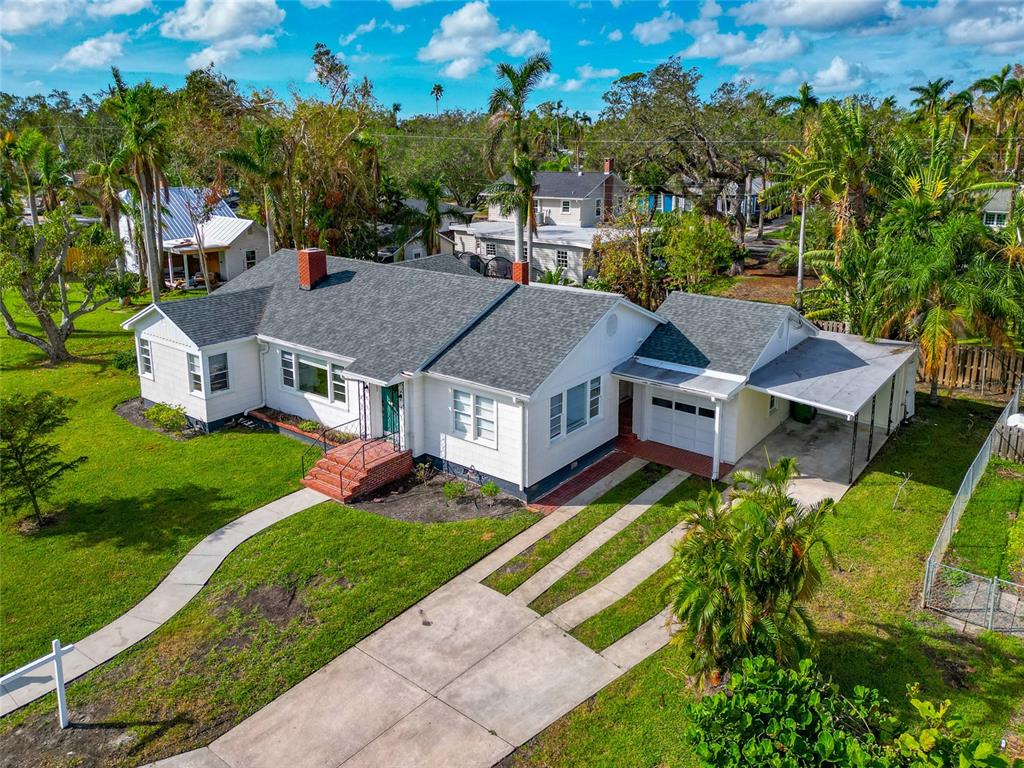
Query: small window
x=145, y=358
x=313, y=376
x=195, y=374
x=565, y=206
x=483, y=418
x=491, y=250
x=707, y=413
x=597, y=207
x=661, y=402
x=218, y=372
x=773, y=404
x=556, y=416
x=250, y=259
x=462, y=413
x=562, y=259
x=595, y=397
x=288, y=369
x=686, y=408
x=339, y=388
x=474, y=416
x=575, y=408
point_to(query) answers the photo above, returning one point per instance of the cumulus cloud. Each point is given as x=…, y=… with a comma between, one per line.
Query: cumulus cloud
x=226, y=51
x=587, y=72
x=105, y=9
x=315, y=3
x=401, y=5
x=94, y=53
x=738, y=50
x=362, y=29
x=5, y=46
x=997, y=29
x=20, y=16
x=839, y=75
x=659, y=29
x=615, y=35
x=811, y=14
x=468, y=34
x=203, y=20
x=583, y=43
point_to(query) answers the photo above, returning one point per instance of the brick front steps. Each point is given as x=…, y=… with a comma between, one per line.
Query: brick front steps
x=358, y=468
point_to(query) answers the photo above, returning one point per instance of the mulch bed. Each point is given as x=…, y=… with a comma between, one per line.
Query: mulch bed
x=416, y=501
x=133, y=411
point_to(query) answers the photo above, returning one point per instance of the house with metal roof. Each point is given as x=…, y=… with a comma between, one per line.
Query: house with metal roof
x=229, y=244
x=518, y=383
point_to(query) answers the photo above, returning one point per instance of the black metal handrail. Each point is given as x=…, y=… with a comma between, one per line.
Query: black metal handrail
x=322, y=441
x=393, y=437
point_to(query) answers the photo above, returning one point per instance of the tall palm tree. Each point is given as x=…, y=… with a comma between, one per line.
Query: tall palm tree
x=54, y=174
x=961, y=106
x=507, y=109
x=261, y=161
x=930, y=96
x=437, y=91
x=24, y=151
x=997, y=88
x=430, y=219
x=805, y=102
x=102, y=184
x=516, y=197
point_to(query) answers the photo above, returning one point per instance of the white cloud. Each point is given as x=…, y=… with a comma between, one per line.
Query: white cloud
x=615, y=35
x=997, y=28
x=616, y=3
x=468, y=34
x=94, y=53
x=583, y=43
x=362, y=29
x=105, y=9
x=659, y=29
x=550, y=80
x=788, y=76
x=315, y=3
x=572, y=85
x=220, y=20
x=811, y=14
x=401, y=5
x=5, y=46
x=396, y=28
x=226, y=51
x=839, y=75
x=587, y=72
x=710, y=10
x=737, y=50
x=19, y=16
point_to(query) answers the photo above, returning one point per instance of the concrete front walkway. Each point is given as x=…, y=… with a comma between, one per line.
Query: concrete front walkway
x=460, y=679
x=169, y=597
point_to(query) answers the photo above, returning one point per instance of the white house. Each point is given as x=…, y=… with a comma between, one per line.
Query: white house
x=996, y=210
x=569, y=206
x=231, y=244
x=521, y=384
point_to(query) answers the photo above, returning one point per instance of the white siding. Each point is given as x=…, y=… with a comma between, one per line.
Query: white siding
x=546, y=258
x=789, y=333
x=253, y=239
x=503, y=460
x=648, y=419
x=596, y=355
x=244, y=391
x=304, y=404
x=169, y=380
x=746, y=421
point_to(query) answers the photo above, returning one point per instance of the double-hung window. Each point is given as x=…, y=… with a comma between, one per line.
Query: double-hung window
x=145, y=358
x=250, y=259
x=561, y=259
x=474, y=417
x=339, y=389
x=597, y=208
x=218, y=372
x=565, y=206
x=287, y=369
x=556, y=416
x=195, y=373
x=573, y=409
x=595, y=397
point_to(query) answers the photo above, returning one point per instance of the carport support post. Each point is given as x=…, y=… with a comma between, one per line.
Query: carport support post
x=853, y=448
x=871, y=429
x=892, y=394
x=718, y=441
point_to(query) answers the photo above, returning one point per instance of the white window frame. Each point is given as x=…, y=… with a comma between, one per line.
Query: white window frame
x=561, y=259
x=773, y=404
x=194, y=364
x=566, y=207
x=145, y=354
x=597, y=207
x=247, y=264
x=477, y=416
x=312, y=362
x=288, y=371
x=558, y=409
x=210, y=375
x=338, y=384
x=594, y=399
x=490, y=249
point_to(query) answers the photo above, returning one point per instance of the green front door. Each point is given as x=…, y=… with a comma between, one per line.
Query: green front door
x=389, y=409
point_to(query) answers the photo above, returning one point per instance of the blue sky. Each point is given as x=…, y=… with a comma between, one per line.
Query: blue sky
x=404, y=46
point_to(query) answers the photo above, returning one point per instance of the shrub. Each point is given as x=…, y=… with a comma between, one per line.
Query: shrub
x=489, y=489
x=454, y=489
x=423, y=471
x=124, y=360
x=694, y=247
x=170, y=418
x=309, y=426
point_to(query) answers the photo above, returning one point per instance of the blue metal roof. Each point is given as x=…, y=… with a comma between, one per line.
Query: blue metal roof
x=175, y=216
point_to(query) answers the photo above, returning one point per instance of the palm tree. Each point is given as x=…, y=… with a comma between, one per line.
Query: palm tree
x=54, y=174
x=102, y=184
x=507, y=109
x=961, y=107
x=554, y=277
x=998, y=88
x=262, y=163
x=805, y=102
x=437, y=91
x=516, y=197
x=430, y=219
x=24, y=151
x=930, y=99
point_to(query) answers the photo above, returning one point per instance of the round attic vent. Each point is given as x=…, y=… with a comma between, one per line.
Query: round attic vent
x=612, y=325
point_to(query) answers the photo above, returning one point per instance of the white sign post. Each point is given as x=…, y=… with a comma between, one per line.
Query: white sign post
x=57, y=657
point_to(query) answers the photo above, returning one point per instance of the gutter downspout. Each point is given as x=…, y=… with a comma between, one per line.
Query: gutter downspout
x=525, y=425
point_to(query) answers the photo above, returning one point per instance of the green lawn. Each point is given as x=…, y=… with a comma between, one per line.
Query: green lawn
x=871, y=630
x=138, y=504
x=980, y=544
x=280, y=607
x=631, y=540
x=524, y=565
x=622, y=617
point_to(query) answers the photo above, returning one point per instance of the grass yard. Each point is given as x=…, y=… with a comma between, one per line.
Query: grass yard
x=871, y=630
x=981, y=543
x=280, y=607
x=631, y=540
x=525, y=564
x=138, y=504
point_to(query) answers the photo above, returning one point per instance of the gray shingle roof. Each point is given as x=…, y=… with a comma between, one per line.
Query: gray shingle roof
x=440, y=262
x=720, y=334
x=566, y=184
x=175, y=217
x=221, y=316
x=521, y=341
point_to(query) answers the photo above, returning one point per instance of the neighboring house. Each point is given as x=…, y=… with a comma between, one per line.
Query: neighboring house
x=520, y=384
x=996, y=211
x=231, y=244
x=665, y=199
x=569, y=205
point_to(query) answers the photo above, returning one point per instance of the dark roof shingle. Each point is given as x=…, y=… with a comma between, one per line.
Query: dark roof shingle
x=567, y=184
x=440, y=262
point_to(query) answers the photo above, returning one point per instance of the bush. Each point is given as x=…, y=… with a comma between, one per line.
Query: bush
x=454, y=489
x=124, y=360
x=170, y=418
x=309, y=426
x=489, y=489
x=694, y=247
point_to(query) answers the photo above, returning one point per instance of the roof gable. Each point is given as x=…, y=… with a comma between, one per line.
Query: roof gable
x=568, y=185
x=176, y=221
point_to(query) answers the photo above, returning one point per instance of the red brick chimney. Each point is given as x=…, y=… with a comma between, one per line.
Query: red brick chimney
x=312, y=267
x=609, y=165
x=521, y=272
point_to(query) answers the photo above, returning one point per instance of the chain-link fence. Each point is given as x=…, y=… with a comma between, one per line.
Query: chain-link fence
x=991, y=603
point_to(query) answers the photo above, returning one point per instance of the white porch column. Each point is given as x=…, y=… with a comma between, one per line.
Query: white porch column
x=717, y=457
x=184, y=263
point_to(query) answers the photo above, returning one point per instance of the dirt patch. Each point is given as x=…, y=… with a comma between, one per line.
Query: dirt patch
x=134, y=412
x=767, y=284
x=955, y=671
x=1010, y=473
x=28, y=526
x=421, y=500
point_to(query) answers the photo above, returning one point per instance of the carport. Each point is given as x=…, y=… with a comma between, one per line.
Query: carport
x=869, y=384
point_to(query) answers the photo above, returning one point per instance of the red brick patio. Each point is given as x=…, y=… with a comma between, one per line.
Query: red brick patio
x=579, y=482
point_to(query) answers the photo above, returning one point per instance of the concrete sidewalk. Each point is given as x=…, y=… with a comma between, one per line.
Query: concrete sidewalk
x=169, y=597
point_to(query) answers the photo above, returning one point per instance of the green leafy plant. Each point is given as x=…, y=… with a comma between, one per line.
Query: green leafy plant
x=454, y=490
x=124, y=360
x=309, y=426
x=170, y=418
x=423, y=471
x=490, y=490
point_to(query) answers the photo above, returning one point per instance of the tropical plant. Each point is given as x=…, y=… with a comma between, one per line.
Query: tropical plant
x=437, y=91
x=621, y=257
x=999, y=88
x=693, y=247
x=24, y=149
x=963, y=109
x=554, y=277
x=435, y=211
x=31, y=465
x=102, y=184
x=806, y=104
x=744, y=572
x=54, y=175
x=930, y=96
x=261, y=160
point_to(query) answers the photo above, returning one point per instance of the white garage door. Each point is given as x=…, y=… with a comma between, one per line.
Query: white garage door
x=686, y=423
